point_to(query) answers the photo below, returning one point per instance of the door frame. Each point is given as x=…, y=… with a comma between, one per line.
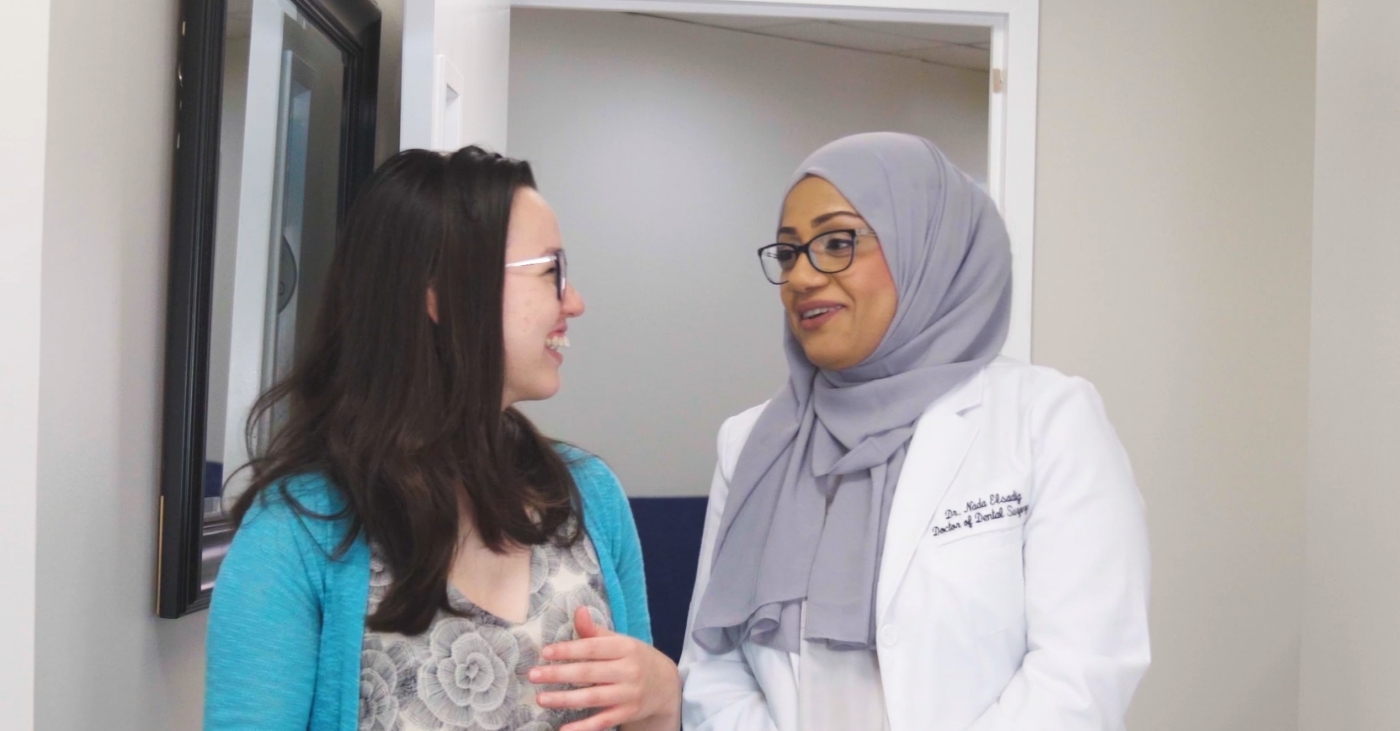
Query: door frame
x=1011, y=118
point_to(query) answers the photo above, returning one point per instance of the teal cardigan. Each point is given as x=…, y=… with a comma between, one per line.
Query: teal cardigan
x=287, y=621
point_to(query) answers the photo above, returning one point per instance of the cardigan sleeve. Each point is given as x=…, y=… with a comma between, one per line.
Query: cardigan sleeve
x=606, y=506
x=630, y=573
x=265, y=625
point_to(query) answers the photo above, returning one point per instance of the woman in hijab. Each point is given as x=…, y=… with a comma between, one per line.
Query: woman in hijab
x=915, y=533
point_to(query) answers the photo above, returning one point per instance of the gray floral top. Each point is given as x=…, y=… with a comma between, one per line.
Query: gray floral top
x=469, y=673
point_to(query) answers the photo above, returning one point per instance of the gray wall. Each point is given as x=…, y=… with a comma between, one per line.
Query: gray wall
x=1173, y=228
x=1351, y=631
x=664, y=148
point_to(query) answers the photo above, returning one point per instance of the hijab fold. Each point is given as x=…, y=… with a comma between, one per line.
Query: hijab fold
x=811, y=493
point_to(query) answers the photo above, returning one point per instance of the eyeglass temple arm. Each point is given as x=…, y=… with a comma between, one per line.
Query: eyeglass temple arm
x=528, y=262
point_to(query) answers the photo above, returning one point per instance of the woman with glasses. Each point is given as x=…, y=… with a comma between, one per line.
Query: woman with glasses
x=915, y=533
x=413, y=554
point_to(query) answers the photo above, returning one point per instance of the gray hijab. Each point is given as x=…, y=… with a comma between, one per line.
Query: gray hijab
x=779, y=543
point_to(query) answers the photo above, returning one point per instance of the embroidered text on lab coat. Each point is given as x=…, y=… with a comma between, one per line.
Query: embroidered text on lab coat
x=993, y=508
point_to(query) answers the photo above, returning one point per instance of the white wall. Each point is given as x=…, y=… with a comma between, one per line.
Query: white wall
x=665, y=148
x=473, y=37
x=24, y=44
x=1351, y=635
x=1173, y=220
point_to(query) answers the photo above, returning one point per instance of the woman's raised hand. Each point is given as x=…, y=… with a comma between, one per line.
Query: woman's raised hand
x=632, y=684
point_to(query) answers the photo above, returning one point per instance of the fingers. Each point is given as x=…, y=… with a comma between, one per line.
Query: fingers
x=586, y=627
x=625, y=678
x=611, y=718
x=585, y=673
x=598, y=696
x=612, y=647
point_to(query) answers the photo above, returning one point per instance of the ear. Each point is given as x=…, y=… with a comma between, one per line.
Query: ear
x=432, y=305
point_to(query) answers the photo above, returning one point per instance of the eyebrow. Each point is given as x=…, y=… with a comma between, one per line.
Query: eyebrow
x=819, y=220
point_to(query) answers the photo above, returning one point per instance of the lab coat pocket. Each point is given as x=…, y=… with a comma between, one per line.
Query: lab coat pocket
x=983, y=579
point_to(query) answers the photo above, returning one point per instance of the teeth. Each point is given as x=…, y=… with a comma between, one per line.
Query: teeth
x=816, y=313
x=557, y=342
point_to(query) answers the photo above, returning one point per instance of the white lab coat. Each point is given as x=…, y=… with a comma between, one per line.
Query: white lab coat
x=1012, y=593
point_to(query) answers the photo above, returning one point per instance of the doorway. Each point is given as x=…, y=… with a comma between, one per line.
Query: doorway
x=664, y=144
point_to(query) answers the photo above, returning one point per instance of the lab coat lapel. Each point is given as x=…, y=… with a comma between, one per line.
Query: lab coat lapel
x=936, y=451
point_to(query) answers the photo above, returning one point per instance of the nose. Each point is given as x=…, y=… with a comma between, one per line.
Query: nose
x=804, y=277
x=572, y=306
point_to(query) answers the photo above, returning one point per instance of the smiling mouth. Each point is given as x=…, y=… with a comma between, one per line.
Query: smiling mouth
x=557, y=342
x=813, y=314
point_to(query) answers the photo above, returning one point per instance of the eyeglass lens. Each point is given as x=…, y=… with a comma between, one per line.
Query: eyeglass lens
x=829, y=253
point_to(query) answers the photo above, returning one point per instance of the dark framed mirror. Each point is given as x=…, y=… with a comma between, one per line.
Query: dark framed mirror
x=275, y=131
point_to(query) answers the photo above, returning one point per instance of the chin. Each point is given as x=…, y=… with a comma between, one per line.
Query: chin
x=817, y=355
x=541, y=390
x=548, y=387
x=820, y=359
x=542, y=394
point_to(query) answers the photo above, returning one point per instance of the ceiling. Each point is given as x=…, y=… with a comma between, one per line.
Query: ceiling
x=960, y=46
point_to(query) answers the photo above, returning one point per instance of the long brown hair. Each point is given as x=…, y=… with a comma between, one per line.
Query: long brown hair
x=403, y=415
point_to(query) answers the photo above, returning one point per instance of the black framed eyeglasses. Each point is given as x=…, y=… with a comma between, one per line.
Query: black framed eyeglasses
x=561, y=265
x=829, y=253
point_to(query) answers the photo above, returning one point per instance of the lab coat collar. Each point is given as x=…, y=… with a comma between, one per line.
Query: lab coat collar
x=936, y=452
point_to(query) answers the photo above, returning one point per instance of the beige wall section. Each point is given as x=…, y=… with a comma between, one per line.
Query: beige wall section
x=104, y=659
x=1172, y=269
x=1351, y=635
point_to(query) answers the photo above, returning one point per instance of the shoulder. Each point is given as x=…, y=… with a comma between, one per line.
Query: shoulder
x=301, y=508
x=308, y=494
x=597, y=485
x=733, y=434
x=1033, y=388
x=1051, y=407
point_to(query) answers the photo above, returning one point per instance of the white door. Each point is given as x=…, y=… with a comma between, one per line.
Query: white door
x=456, y=69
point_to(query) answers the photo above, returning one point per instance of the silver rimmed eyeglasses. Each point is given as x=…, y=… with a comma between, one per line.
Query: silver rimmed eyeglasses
x=561, y=265
x=830, y=253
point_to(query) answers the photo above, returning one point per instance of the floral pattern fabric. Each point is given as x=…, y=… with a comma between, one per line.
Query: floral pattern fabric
x=469, y=673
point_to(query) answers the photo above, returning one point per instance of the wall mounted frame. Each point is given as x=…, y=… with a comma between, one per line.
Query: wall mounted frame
x=191, y=543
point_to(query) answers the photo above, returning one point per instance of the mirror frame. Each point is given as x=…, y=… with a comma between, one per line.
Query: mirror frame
x=354, y=27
